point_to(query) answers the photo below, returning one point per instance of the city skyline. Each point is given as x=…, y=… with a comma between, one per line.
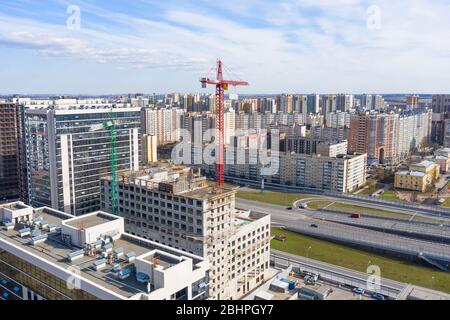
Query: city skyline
x=148, y=46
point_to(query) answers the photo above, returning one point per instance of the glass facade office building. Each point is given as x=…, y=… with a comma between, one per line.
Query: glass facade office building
x=69, y=150
x=20, y=280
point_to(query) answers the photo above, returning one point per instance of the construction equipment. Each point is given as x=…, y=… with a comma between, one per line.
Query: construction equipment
x=110, y=125
x=221, y=86
x=114, y=190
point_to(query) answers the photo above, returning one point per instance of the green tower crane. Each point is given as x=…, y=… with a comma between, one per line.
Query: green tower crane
x=110, y=125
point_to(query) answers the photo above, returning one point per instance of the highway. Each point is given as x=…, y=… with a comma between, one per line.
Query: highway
x=428, y=231
x=382, y=206
x=393, y=205
x=299, y=221
x=336, y=274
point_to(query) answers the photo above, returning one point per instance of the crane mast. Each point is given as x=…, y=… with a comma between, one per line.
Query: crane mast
x=110, y=125
x=221, y=86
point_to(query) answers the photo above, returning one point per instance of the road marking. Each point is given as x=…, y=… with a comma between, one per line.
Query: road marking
x=414, y=215
x=328, y=206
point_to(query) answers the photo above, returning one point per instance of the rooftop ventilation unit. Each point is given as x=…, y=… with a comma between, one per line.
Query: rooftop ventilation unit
x=99, y=264
x=24, y=232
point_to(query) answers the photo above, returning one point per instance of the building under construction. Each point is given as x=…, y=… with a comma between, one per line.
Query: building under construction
x=176, y=207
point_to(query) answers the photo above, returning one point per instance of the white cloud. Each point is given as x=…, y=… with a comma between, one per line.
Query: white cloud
x=306, y=45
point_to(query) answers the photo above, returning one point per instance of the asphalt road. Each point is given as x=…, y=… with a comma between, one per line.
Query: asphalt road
x=433, y=232
x=386, y=207
x=297, y=220
x=342, y=275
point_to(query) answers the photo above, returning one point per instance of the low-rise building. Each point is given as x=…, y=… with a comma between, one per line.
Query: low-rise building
x=49, y=254
x=419, y=177
x=428, y=167
x=442, y=158
x=411, y=180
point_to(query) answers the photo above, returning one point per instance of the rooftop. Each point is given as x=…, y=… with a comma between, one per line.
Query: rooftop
x=161, y=260
x=185, y=181
x=411, y=173
x=425, y=164
x=55, y=250
x=206, y=193
x=89, y=221
x=14, y=206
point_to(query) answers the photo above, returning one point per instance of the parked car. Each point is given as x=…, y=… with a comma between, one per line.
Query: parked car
x=358, y=290
x=289, y=208
x=314, y=225
x=377, y=296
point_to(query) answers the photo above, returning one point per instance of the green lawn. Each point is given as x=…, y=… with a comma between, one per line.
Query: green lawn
x=276, y=198
x=373, y=186
x=389, y=194
x=358, y=260
x=350, y=208
x=446, y=204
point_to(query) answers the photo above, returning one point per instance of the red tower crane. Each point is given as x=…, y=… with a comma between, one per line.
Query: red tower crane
x=221, y=86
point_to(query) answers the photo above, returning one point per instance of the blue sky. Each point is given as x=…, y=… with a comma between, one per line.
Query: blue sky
x=278, y=46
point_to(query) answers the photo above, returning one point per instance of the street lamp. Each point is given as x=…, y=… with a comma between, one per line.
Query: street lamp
x=307, y=253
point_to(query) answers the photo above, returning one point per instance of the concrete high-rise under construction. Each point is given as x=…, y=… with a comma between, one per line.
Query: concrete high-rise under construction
x=175, y=207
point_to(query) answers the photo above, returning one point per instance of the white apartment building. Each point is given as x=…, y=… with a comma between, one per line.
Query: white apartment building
x=47, y=254
x=414, y=130
x=342, y=173
x=177, y=208
x=162, y=123
x=338, y=119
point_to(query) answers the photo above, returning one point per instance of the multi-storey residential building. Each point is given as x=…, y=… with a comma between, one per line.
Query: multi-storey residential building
x=149, y=149
x=285, y=103
x=343, y=173
x=48, y=254
x=177, y=209
x=338, y=119
x=446, y=140
x=162, y=123
x=301, y=105
x=414, y=130
x=268, y=105
x=313, y=145
x=441, y=103
x=344, y=102
x=197, y=124
x=329, y=104
x=375, y=134
x=313, y=103
x=68, y=150
x=11, y=155
x=441, y=112
x=330, y=134
x=412, y=101
x=389, y=137
x=372, y=102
